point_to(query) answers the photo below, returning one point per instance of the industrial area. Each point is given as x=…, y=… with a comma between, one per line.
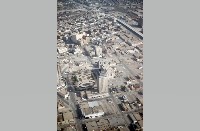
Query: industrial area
x=100, y=65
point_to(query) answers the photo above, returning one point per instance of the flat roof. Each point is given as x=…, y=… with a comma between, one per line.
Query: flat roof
x=116, y=121
x=68, y=115
x=137, y=116
x=140, y=123
x=91, y=126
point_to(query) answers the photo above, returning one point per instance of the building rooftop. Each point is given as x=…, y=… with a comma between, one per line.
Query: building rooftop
x=101, y=124
x=91, y=126
x=137, y=116
x=116, y=121
x=68, y=115
x=141, y=123
x=93, y=104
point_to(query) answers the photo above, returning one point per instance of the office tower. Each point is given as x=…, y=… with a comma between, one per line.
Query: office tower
x=102, y=82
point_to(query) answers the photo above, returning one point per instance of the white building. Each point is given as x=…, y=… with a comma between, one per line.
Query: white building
x=94, y=115
x=102, y=82
x=91, y=109
x=77, y=51
x=62, y=50
x=98, y=51
x=76, y=38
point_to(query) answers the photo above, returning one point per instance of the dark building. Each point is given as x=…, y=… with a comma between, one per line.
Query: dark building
x=140, y=22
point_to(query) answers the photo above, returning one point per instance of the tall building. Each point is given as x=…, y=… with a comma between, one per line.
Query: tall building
x=99, y=63
x=58, y=74
x=102, y=82
x=98, y=51
x=140, y=22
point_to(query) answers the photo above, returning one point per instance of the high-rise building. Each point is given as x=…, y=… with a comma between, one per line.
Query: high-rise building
x=98, y=51
x=102, y=82
x=140, y=22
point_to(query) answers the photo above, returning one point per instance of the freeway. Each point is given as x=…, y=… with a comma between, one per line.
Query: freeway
x=134, y=31
x=139, y=34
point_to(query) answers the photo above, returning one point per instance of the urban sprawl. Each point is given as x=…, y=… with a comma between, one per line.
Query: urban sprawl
x=100, y=65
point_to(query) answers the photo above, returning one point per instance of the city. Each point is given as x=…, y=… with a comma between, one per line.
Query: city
x=100, y=65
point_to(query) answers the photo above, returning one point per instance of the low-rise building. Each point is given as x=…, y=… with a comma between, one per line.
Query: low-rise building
x=91, y=109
